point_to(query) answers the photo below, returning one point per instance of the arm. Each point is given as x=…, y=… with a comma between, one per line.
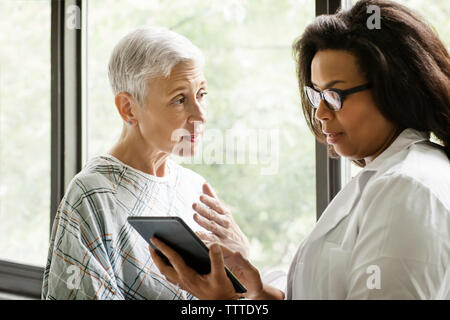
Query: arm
x=215, y=285
x=78, y=266
x=403, y=243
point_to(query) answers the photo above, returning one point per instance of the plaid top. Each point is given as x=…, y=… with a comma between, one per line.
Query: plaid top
x=94, y=253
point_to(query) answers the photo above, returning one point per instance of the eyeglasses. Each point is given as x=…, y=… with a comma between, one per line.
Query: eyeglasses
x=333, y=98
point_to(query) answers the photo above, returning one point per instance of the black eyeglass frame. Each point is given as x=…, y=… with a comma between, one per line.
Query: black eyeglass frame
x=342, y=95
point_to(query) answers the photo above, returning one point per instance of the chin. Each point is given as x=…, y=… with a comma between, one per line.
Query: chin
x=350, y=156
x=341, y=151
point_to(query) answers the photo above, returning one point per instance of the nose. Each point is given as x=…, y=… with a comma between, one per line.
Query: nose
x=198, y=113
x=322, y=112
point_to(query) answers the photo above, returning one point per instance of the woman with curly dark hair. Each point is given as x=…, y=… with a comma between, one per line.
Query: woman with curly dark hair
x=374, y=96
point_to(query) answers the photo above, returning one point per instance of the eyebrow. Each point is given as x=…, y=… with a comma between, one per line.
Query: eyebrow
x=183, y=87
x=177, y=89
x=329, y=84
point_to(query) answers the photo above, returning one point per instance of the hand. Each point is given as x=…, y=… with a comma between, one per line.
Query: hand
x=246, y=273
x=213, y=286
x=249, y=276
x=215, y=217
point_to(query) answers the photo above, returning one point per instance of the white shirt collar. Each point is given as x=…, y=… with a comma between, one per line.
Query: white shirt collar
x=406, y=138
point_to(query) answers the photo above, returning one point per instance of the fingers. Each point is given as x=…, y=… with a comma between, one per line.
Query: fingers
x=207, y=237
x=210, y=225
x=210, y=214
x=214, y=204
x=175, y=259
x=209, y=190
x=166, y=270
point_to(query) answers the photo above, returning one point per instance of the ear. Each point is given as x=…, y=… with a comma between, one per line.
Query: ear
x=126, y=105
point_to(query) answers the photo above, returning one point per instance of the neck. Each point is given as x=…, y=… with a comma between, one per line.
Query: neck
x=132, y=150
x=385, y=145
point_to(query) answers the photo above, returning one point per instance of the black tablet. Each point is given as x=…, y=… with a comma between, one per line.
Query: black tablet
x=177, y=234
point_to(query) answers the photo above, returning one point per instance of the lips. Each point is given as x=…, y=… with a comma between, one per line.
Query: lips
x=333, y=137
x=193, y=138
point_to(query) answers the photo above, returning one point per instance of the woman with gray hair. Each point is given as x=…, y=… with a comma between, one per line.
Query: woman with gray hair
x=159, y=87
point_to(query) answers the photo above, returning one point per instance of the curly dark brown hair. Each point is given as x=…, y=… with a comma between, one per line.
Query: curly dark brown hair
x=404, y=60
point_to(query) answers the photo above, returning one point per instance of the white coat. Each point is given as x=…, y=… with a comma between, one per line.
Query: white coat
x=386, y=234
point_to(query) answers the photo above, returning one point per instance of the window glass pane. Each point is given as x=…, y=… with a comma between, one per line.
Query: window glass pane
x=253, y=94
x=24, y=131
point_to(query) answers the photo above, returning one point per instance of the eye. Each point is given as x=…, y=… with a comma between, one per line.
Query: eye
x=179, y=101
x=203, y=94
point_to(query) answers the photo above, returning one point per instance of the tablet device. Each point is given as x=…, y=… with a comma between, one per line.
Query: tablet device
x=177, y=234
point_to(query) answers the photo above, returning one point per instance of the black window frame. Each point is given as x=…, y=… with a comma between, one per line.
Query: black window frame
x=69, y=125
x=66, y=134
x=328, y=170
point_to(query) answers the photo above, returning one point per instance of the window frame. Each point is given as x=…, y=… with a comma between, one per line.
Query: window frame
x=66, y=134
x=69, y=132
x=328, y=170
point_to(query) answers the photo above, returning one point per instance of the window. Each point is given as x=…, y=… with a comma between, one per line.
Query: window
x=24, y=131
x=269, y=180
x=252, y=94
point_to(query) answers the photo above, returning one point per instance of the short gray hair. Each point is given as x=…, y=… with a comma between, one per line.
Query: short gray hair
x=148, y=53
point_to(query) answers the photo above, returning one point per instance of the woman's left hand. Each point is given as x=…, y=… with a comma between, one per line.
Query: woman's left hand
x=213, y=286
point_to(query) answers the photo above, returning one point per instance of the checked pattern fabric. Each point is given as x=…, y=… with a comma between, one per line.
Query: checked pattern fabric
x=94, y=253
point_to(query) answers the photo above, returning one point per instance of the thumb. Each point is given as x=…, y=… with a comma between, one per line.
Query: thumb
x=217, y=264
x=225, y=251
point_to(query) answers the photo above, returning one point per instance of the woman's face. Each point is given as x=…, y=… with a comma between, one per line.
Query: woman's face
x=362, y=131
x=173, y=118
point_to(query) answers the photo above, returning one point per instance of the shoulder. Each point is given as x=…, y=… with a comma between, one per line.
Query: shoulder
x=101, y=171
x=404, y=193
x=415, y=188
x=400, y=216
x=404, y=204
x=423, y=173
x=93, y=182
x=93, y=186
x=427, y=163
